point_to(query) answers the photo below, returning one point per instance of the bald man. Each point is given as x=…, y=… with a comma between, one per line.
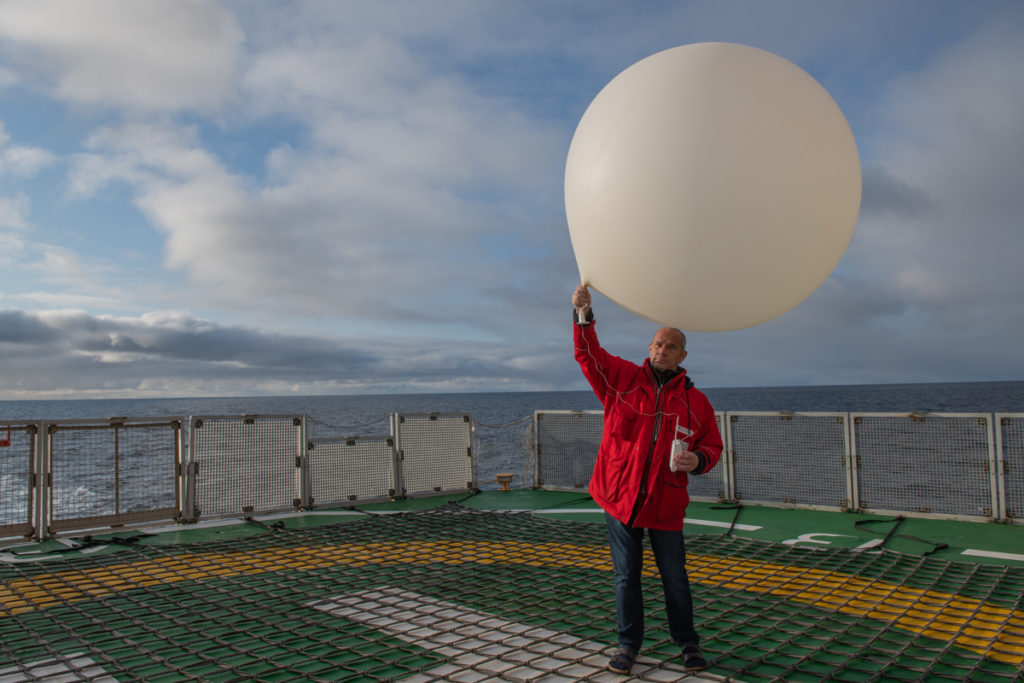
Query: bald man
x=640, y=480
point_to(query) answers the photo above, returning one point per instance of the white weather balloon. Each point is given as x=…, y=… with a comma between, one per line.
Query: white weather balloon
x=711, y=187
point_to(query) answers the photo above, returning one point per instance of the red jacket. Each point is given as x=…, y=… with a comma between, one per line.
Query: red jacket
x=632, y=480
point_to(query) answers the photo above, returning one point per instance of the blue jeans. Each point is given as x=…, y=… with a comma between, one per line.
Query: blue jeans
x=627, y=557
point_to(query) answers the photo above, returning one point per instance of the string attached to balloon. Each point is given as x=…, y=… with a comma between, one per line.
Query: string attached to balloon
x=620, y=396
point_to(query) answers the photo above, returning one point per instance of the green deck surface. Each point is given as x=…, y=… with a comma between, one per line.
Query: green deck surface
x=945, y=538
x=264, y=599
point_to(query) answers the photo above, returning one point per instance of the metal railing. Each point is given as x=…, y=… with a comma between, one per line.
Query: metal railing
x=240, y=465
x=1009, y=434
x=65, y=475
x=950, y=465
x=18, y=476
x=74, y=474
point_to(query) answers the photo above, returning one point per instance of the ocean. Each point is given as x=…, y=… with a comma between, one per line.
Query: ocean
x=342, y=413
x=348, y=415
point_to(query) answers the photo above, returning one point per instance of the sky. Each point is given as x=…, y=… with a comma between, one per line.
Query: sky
x=251, y=197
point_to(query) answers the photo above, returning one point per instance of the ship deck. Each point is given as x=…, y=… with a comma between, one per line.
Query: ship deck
x=510, y=585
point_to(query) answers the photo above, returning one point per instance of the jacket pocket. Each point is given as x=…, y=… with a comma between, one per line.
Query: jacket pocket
x=610, y=479
x=673, y=499
x=625, y=426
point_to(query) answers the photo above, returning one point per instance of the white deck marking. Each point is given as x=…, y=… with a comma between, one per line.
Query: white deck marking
x=71, y=667
x=813, y=538
x=483, y=647
x=688, y=520
x=11, y=558
x=722, y=525
x=993, y=554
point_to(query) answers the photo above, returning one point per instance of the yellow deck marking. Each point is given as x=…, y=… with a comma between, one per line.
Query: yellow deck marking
x=991, y=630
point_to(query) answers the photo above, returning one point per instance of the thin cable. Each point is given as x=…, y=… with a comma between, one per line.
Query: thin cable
x=620, y=396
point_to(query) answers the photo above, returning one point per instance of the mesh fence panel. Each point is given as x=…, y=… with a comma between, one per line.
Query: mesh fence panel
x=245, y=464
x=1011, y=437
x=713, y=486
x=344, y=470
x=932, y=464
x=504, y=448
x=784, y=458
x=436, y=453
x=17, y=446
x=112, y=472
x=567, y=445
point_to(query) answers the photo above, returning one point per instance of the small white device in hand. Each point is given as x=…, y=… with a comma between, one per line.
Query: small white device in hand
x=677, y=447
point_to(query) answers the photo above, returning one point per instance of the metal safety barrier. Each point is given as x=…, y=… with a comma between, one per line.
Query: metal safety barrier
x=936, y=464
x=65, y=475
x=109, y=472
x=435, y=453
x=245, y=464
x=19, y=446
x=947, y=465
x=1009, y=432
x=348, y=470
x=74, y=475
x=424, y=454
x=788, y=458
x=566, y=447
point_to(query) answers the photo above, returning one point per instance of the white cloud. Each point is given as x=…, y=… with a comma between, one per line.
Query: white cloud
x=18, y=161
x=14, y=211
x=169, y=352
x=140, y=54
x=367, y=208
x=393, y=172
x=8, y=77
x=65, y=300
x=21, y=160
x=955, y=142
x=11, y=248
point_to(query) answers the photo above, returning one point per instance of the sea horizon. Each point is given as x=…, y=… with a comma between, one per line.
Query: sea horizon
x=998, y=396
x=751, y=387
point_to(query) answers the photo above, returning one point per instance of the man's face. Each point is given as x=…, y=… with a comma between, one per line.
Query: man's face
x=667, y=349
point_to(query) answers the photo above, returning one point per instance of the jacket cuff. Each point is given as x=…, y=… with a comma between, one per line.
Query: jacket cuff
x=702, y=462
x=589, y=317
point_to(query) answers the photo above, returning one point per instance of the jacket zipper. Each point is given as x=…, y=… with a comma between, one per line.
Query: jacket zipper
x=642, y=496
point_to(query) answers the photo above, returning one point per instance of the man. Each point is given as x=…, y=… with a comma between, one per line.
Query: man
x=639, y=482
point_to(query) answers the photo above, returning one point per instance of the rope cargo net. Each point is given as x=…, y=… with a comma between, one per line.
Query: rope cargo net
x=454, y=593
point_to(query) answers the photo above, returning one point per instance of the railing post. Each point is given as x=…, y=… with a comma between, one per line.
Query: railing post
x=399, y=456
x=190, y=472
x=303, y=474
x=996, y=465
x=727, y=461
x=42, y=484
x=849, y=464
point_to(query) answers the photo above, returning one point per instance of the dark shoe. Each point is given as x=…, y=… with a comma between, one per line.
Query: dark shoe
x=693, y=660
x=622, y=661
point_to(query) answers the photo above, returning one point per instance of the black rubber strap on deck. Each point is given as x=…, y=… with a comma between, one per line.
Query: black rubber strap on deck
x=735, y=518
x=273, y=526
x=936, y=547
